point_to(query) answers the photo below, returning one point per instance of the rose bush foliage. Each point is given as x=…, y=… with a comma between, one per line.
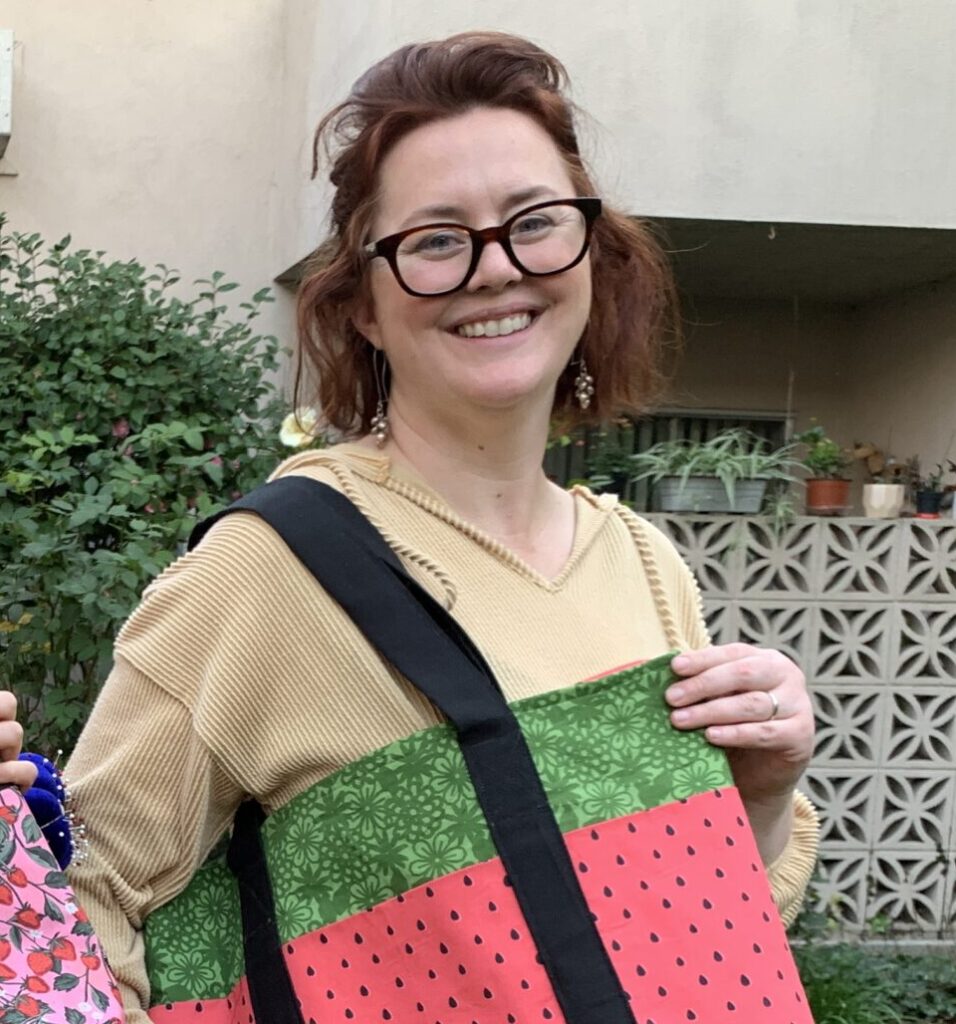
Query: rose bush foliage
x=126, y=412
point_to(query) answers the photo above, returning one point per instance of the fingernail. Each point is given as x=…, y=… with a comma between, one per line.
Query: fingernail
x=674, y=694
x=715, y=733
x=680, y=716
x=680, y=663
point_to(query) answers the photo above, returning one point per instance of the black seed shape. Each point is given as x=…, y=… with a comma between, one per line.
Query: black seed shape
x=408, y=949
x=719, y=873
x=358, y=939
x=452, y=1002
x=680, y=961
x=691, y=852
x=620, y=860
x=486, y=992
x=478, y=940
x=429, y=891
x=740, y=821
x=594, y=834
x=386, y=1015
x=514, y=934
x=666, y=903
x=583, y=868
x=641, y=971
x=745, y=897
x=507, y=881
x=467, y=880
x=780, y=974
x=706, y=904
x=655, y=937
x=692, y=929
x=499, y=959
x=399, y=983
x=608, y=891
x=462, y=969
x=702, y=980
x=731, y=1007
x=547, y=1014
x=744, y=980
x=323, y=939
x=524, y=983
x=290, y=949
x=708, y=823
x=680, y=881
x=363, y=990
x=631, y=827
x=644, y=885
x=616, y=946
x=345, y=963
x=419, y=1007
x=627, y=914
x=432, y=974
x=670, y=830
x=766, y=917
x=661, y=991
x=757, y=948
x=511, y=1019
x=657, y=855
x=728, y=924
x=388, y=929
x=492, y=906
x=718, y=956
x=348, y=1014
x=729, y=841
x=442, y=948
x=455, y=916
x=400, y=898
x=691, y=1015
x=766, y=1001
x=376, y=959
x=310, y=971
x=420, y=925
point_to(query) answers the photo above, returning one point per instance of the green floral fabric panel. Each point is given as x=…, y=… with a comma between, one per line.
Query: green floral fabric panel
x=408, y=813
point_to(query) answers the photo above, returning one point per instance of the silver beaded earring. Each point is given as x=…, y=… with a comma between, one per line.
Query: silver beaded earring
x=583, y=385
x=379, y=423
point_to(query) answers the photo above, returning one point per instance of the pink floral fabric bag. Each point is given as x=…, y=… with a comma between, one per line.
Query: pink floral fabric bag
x=52, y=969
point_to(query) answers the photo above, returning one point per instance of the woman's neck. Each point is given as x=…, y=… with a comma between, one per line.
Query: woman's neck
x=489, y=470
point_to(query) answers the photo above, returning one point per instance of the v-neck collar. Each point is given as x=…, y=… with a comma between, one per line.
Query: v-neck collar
x=591, y=512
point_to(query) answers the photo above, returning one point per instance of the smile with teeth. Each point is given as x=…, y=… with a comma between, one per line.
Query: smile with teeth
x=496, y=328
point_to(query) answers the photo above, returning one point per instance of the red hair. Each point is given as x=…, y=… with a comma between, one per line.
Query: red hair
x=633, y=310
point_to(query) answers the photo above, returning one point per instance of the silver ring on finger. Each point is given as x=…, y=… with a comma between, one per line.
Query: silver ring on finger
x=774, y=705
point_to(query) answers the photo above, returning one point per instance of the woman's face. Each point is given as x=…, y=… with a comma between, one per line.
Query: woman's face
x=475, y=169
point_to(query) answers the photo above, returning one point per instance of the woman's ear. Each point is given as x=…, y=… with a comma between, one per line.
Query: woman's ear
x=363, y=320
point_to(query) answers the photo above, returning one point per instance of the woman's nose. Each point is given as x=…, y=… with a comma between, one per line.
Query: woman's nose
x=495, y=269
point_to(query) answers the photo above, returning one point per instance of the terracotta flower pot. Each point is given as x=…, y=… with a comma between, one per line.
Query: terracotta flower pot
x=827, y=497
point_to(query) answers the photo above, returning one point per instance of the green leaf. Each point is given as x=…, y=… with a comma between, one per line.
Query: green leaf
x=66, y=983
x=31, y=830
x=74, y=1016
x=42, y=857
x=52, y=911
x=193, y=438
x=100, y=999
x=56, y=880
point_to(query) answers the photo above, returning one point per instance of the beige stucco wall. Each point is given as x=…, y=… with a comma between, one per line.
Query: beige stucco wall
x=179, y=132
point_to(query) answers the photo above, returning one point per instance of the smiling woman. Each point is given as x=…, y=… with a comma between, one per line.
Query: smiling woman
x=520, y=804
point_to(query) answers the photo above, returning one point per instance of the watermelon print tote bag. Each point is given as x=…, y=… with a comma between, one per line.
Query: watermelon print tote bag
x=567, y=858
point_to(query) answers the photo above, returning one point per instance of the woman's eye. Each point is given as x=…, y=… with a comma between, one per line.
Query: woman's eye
x=535, y=224
x=437, y=243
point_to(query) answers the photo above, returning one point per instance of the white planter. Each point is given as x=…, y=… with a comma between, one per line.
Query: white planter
x=708, y=494
x=883, y=501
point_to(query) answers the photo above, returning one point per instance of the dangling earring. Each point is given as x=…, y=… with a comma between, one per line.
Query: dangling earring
x=583, y=385
x=380, y=419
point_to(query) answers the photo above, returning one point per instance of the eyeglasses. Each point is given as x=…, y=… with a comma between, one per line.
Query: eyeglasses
x=541, y=240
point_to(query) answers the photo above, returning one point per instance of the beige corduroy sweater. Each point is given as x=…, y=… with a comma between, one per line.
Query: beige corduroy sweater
x=238, y=675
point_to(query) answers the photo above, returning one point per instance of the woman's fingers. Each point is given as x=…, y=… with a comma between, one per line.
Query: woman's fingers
x=756, y=706
x=731, y=668
x=12, y=771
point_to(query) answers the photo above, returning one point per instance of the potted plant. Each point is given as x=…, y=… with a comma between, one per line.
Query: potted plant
x=885, y=490
x=928, y=488
x=728, y=473
x=608, y=464
x=828, y=487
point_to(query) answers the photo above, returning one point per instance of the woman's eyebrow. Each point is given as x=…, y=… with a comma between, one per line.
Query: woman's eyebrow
x=442, y=211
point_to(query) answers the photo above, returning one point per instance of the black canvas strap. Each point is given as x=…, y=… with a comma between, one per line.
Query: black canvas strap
x=414, y=633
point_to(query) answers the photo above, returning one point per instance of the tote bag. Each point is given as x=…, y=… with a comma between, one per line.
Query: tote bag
x=566, y=858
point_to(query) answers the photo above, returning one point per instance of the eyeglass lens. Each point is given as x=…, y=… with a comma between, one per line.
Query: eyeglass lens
x=544, y=241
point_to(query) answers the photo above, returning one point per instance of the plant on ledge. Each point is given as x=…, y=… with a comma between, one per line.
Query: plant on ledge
x=828, y=487
x=728, y=473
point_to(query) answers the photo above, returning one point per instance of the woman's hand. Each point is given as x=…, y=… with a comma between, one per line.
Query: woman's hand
x=19, y=773
x=754, y=702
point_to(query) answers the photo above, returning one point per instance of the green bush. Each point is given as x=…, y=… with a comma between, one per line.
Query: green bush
x=125, y=413
x=851, y=984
